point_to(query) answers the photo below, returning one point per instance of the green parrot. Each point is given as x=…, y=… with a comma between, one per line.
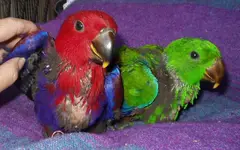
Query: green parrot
x=158, y=82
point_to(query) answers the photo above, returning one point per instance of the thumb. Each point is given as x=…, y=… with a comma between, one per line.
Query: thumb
x=9, y=72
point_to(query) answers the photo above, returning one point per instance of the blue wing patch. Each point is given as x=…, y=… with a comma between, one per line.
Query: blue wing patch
x=31, y=48
x=29, y=45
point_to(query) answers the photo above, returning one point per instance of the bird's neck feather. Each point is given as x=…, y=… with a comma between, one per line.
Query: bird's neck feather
x=184, y=92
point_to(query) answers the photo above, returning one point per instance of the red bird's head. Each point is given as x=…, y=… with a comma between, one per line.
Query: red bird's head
x=87, y=36
x=85, y=44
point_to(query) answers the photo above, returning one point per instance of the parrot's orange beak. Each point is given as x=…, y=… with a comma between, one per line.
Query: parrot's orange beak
x=215, y=73
x=102, y=46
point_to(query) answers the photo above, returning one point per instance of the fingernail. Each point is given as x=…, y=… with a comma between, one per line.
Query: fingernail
x=21, y=62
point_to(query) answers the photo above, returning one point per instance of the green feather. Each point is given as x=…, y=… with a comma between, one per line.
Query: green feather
x=142, y=93
x=136, y=67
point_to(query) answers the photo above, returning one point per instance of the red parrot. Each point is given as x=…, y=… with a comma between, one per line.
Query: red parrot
x=68, y=78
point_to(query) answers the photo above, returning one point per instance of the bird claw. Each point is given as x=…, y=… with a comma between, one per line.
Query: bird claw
x=110, y=125
x=120, y=124
x=111, y=128
x=123, y=126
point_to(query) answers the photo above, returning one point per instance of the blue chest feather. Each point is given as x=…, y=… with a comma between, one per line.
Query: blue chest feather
x=111, y=91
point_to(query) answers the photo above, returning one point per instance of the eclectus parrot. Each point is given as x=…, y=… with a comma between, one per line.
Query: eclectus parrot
x=68, y=79
x=158, y=82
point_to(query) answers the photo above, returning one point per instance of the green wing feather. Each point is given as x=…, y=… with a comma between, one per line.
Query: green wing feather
x=140, y=85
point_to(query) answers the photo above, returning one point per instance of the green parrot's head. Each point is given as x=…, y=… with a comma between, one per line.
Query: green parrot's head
x=194, y=60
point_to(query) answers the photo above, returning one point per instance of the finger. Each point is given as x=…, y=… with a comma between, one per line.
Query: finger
x=12, y=42
x=10, y=27
x=9, y=72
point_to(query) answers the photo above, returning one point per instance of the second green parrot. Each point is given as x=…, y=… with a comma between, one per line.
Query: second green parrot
x=159, y=82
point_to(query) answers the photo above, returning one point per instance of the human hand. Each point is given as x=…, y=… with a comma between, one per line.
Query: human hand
x=11, y=30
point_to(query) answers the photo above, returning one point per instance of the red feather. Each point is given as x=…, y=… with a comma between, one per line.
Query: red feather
x=50, y=87
x=69, y=82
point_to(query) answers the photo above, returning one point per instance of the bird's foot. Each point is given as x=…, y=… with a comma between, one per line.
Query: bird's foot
x=110, y=125
x=125, y=122
x=121, y=126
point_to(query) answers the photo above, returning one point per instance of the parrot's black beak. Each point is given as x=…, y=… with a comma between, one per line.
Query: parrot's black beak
x=102, y=46
x=215, y=73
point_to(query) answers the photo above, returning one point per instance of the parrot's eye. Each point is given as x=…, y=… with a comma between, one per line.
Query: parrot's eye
x=79, y=25
x=194, y=55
